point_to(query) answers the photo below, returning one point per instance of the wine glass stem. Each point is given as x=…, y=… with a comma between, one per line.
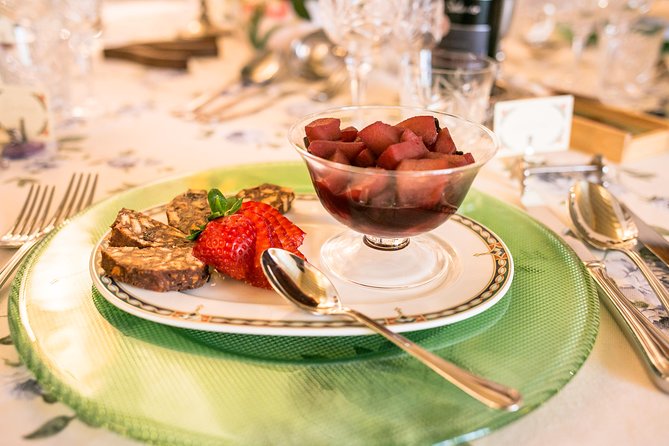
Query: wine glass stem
x=358, y=68
x=385, y=244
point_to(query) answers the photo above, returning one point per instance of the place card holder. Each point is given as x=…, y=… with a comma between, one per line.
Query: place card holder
x=617, y=134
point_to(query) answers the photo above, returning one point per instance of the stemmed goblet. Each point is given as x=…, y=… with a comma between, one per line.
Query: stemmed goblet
x=390, y=212
x=360, y=27
x=421, y=25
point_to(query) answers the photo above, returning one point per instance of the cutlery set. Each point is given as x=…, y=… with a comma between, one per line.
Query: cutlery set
x=312, y=58
x=596, y=219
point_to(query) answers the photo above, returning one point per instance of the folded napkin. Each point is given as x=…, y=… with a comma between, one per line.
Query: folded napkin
x=173, y=54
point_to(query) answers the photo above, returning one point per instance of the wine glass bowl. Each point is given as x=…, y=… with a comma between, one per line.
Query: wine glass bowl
x=360, y=27
x=389, y=211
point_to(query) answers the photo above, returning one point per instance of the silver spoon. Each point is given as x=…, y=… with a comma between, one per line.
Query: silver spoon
x=603, y=223
x=305, y=286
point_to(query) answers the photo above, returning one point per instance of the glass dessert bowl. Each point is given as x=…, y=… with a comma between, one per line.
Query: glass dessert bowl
x=391, y=205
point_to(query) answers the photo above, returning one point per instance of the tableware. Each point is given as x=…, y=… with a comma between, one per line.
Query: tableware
x=82, y=27
x=419, y=28
x=315, y=56
x=308, y=288
x=261, y=70
x=651, y=344
x=361, y=27
x=392, y=208
x=459, y=83
x=78, y=195
x=601, y=222
x=34, y=55
x=476, y=282
x=132, y=376
x=649, y=236
x=32, y=217
x=629, y=55
x=580, y=18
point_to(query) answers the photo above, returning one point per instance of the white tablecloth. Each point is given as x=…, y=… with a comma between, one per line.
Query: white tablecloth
x=136, y=139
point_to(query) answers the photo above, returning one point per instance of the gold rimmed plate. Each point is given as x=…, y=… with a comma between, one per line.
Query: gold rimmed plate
x=479, y=272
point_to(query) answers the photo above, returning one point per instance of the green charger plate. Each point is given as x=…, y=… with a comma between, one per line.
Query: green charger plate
x=166, y=385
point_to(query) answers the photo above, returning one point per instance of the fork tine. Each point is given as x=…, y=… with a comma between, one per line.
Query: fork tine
x=19, y=220
x=73, y=199
x=91, y=195
x=87, y=193
x=45, y=214
x=39, y=210
x=25, y=228
x=63, y=203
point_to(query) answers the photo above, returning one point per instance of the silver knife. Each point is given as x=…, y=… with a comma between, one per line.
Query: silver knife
x=652, y=344
x=650, y=238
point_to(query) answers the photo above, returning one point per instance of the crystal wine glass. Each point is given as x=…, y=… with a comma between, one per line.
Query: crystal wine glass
x=360, y=27
x=390, y=212
x=420, y=27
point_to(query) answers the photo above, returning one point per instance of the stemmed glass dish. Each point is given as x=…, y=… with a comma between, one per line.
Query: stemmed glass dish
x=389, y=212
x=360, y=27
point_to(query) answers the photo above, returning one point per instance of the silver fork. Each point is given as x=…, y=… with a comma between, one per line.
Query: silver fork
x=32, y=217
x=78, y=195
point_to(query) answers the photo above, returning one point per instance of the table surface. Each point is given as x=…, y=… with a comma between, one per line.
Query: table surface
x=134, y=139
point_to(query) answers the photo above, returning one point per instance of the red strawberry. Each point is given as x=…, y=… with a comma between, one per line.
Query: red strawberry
x=237, y=235
x=265, y=239
x=228, y=244
x=290, y=235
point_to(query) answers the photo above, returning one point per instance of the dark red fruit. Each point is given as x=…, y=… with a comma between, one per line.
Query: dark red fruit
x=444, y=142
x=395, y=153
x=349, y=134
x=379, y=135
x=323, y=129
x=365, y=158
x=423, y=126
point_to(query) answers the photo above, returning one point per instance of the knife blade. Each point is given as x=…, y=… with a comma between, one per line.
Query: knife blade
x=649, y=237
x=652, y=344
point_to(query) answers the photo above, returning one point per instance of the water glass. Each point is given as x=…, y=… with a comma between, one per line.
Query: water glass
x=629, y=53
x=460, y=83
x=361, y=27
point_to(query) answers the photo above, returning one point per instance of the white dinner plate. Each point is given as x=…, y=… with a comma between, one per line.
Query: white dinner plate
x=480, y=272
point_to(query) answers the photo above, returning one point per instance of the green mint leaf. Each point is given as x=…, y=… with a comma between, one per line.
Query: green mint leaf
x=217, y=201
x=195, y=233
x=234, y=206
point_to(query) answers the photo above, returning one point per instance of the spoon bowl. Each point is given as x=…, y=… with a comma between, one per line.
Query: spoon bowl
x=309, y=289
x=601, y=221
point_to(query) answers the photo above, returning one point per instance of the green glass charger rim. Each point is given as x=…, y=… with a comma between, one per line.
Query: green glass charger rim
x=150, y=430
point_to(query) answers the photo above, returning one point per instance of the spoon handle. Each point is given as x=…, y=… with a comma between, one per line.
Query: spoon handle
x=488, y=392
x=654, y=346
x=653, y=281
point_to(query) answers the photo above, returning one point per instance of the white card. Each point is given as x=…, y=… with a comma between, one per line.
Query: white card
x=529, y=126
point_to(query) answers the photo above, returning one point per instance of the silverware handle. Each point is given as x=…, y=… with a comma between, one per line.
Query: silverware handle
x=7, y=270
x=488, y=392
x=653, y=343
x=652, y=279
x=239, y=97
x=201, y=101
